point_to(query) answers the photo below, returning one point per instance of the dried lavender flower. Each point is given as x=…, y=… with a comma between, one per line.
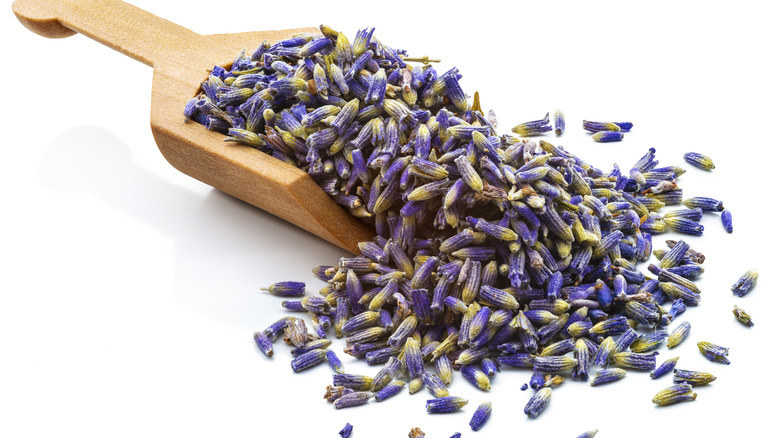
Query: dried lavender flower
x=286, y=289
x=636, y=361
x=445, y=404
x=594, y=127
x=335, y=362
x=678, y=334
x=308, y=360
x=535, y=127
x=559, y=122
x=664, y=368
x=353, y=381
x=714, y=353
x=698, y=160
x=607, y=375
x=352, y=399
x=693, y=378
x=389, y=390
x=476, y=377
x=674, y=394
x=607, y=136
x=346, y=431
x=480, y=416
x=538, y=402
x=435, y=385
x=705, y=203
x=725, y=218
x=742, y=317
x=264, y=344
x=745, y=283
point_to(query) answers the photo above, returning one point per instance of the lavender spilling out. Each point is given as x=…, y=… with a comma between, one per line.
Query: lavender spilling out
x=491, y=250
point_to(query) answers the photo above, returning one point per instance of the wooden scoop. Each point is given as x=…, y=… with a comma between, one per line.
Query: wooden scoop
x=181, y=60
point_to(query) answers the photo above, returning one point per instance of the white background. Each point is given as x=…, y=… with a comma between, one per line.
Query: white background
x=129, y=292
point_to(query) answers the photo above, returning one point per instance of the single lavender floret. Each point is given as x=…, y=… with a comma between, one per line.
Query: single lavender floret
x=537, y=380
x=559, y=122
x=538, y=402
x=476, y=377
x=445, y=404
x=698, y=160
x=481, y=416
x=532, y=128
x=636, y=361
x=346, y=431
x=714, y=353
x=353, y=381
x=595, y=127
x=678, y=334
x=726, y=220
x=352, y=399
x=607, y=136
x=334, y=361
x=693, y=378
x=674, y=394
x=664, y=368
x=703, y=202
x=745, y=283
x=264, y=344
x=390, y=390
x=286, y=289
x=742, y=317
x=607, y=375
x=308, y=360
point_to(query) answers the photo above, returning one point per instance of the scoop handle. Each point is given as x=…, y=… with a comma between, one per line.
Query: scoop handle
x=123, y=27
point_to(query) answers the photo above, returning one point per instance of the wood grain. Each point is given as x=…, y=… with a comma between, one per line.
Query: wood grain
x=181, y=60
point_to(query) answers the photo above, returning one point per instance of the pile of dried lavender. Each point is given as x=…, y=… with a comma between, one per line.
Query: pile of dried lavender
x=491, y=249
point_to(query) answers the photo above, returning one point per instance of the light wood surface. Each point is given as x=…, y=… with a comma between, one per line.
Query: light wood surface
x=181, y=60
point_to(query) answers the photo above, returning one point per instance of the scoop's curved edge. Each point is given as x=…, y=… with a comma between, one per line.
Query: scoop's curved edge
x=40, y=18
x=346, y=229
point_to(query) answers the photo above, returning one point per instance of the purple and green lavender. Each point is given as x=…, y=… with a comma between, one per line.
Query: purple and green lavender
x=491, y=250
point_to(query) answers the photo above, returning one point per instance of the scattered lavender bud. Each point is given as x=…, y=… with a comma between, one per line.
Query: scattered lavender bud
x=480, y=416
x=595, y=127
x=725, y=218
x=533, y=128
x=389, y=390
x=607, y=375
x=678, y=334
x=445, y=404
x=352, y=399
x=714, y=353
x=745, y=283
x=559, y=122
x=286, y=289
x=264, y=344
x=538, y=402
x=742, y=317
x=698, y=160
x=664, y=368
x=674, y=394
x=346, y=431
